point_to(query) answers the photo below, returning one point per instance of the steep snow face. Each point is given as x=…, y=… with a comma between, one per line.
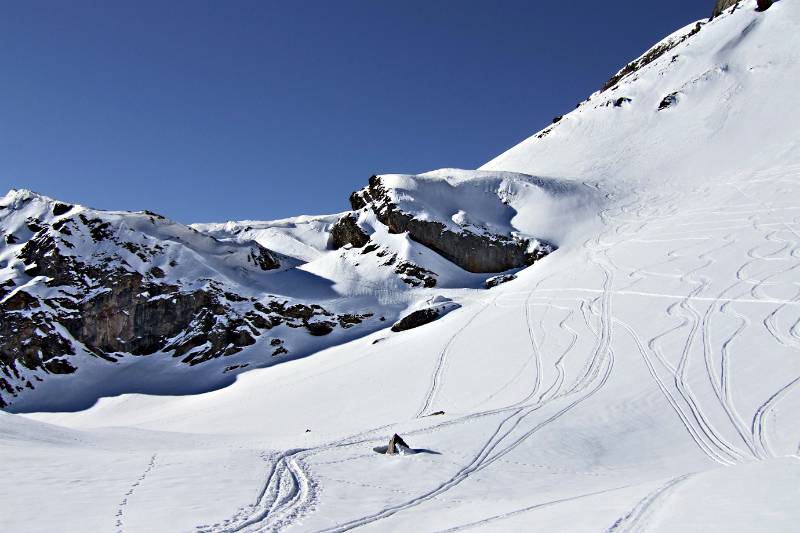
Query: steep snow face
x=643, y=378
x=731, y=109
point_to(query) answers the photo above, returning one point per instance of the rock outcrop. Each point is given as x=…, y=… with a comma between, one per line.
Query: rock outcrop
x=494, y=281
x=81, y=282
x=436, y=308
x=474, y=252
x=416, y=319
x=651, y=55
x=722, y=5
x=346, y=231
x=397, y=445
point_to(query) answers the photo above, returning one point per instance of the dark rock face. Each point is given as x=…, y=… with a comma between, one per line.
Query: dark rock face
x=416, y=319
x=132, y=314
x=61, y=209
x=318, y=329
x=263, y=258
x=98, y=303
x=763, y=5
x=668, y=101
x=346, y=231
x=722, y=5
x=472, y=252
x=396, y=443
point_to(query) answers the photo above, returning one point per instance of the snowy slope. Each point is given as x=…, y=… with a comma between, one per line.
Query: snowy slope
x=96, y=303
x=646, y=376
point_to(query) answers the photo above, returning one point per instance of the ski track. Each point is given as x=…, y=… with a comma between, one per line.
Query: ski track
x=289, y=492
x=527, y=509
x=441, y=360
x=644, y=511
x=498, y=445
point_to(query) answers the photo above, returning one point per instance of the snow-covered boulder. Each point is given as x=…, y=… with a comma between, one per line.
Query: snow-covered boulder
x=434, y=309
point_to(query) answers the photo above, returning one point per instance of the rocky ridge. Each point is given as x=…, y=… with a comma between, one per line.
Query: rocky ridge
x=76, y=281
x=476, y=250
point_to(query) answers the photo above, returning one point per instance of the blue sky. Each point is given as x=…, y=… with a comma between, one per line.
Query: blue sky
x=213, y=111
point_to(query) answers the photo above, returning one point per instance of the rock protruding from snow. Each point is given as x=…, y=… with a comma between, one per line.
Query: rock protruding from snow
x=722, y=5
x=416, y=319
x=465, y=220
x=667, y=45
x=494, y=281
x=78, y=282
x=763, y=5
x=434, y=310
x=346, y=231
x=397, y=446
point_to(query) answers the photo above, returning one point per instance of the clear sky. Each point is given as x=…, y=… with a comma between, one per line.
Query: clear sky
x=224, y=110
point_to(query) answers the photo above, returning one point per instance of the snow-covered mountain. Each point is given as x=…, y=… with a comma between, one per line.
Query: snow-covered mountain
x=638, y=369
x=95, y=303
x=125, y=302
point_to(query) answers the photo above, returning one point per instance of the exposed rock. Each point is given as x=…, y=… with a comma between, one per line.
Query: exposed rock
x=722, y=5
x=318, y=329
x=416, y=319
x=263, y=258
x=19, y=301
x=472, y=252
x=347, y=320
x=346, y=231
x=58, y=366
x=61, y=209
x=668, y=101
x=5, y=288
x=397, y=445
x=279, y=351
x=498, y=280
x=368, y=249
x=100, y=288
x=763, y=5
x=415, y=275
x=617, y=102
x=649, y=56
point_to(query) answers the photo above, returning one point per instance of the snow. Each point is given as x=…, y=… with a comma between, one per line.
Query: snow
x=643, y=377
x=494, y=202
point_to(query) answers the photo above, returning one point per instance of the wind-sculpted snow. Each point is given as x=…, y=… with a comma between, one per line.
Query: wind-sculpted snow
x=644, y=377
x=481, y=221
